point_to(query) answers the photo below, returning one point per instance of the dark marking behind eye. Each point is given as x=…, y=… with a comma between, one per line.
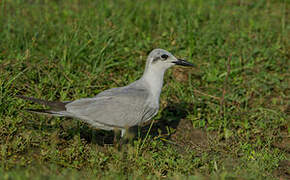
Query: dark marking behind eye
x=155, y=59
x=164, y=56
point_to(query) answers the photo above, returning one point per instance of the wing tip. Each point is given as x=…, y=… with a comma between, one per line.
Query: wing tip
x=44, y=111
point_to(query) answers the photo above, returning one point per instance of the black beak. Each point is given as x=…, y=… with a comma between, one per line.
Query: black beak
x=183, y=63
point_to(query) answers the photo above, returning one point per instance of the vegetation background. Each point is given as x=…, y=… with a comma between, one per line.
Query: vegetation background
x=228, y=118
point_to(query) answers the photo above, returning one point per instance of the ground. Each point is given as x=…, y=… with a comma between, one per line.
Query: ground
x=227, y=118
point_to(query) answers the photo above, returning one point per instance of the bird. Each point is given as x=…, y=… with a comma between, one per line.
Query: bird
x=122, y=107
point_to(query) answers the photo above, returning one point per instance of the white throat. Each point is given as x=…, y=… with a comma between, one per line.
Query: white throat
x=153, y=76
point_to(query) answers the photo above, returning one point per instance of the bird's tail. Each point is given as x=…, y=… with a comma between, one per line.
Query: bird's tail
x=56, y=108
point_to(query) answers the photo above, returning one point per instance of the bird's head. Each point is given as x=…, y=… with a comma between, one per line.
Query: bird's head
x=162, y=59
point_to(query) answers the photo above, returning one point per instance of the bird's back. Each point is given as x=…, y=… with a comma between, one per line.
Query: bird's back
x=115, y=108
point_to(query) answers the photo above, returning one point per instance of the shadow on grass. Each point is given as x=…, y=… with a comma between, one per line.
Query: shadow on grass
x=170, y=118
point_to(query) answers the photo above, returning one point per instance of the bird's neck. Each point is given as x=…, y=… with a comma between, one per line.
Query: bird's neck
x=154, y=78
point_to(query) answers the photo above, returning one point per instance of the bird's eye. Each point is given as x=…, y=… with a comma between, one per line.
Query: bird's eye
x=164, y=56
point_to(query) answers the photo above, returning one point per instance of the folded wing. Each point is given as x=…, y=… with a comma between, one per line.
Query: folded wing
x=121, y=109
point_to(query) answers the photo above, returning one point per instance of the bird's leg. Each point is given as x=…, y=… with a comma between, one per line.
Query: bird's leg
x=116, y=137
x=129, y=134
x=123, y=139
x=123, y=132
x=120, y=137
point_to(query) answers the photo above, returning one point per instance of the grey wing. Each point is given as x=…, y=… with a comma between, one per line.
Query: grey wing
x=122, y=109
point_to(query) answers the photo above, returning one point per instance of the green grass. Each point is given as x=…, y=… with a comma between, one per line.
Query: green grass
x=227, y=118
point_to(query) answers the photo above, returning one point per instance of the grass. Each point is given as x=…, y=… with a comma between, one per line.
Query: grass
x=228, y=118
